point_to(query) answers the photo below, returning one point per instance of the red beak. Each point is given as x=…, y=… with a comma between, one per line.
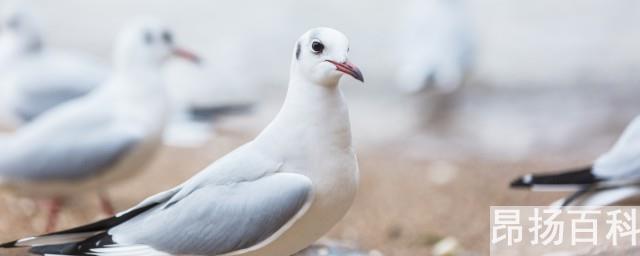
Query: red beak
x=187, y=55
x=349, y=69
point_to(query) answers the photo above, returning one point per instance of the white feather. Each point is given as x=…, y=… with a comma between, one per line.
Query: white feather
x=126, y=250
x=54, y=239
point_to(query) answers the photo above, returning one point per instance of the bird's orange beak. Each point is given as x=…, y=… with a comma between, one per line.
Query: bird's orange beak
x=187, y=55
x=349, y=69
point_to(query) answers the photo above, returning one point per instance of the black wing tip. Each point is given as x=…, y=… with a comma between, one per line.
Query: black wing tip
x=582, y=176
x=9, y=244
x=77, y=248
x=522, y=182
x=103, y=238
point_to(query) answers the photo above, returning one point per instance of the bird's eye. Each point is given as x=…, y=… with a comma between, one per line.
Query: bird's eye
x=317, y=47
x=148, y=37
x=167, y=37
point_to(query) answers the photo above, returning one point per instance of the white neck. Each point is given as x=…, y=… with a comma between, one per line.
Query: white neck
x=138, y=94
x=138, y=82
x=311, y=113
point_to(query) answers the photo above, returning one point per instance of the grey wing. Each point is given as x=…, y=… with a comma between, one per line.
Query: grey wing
x=219, y=219
x=33, y=103
x=65, y=152
x=54, y=79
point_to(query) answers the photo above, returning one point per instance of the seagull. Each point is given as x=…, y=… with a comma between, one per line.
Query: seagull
x=436, y=47
x=101, y=138
x=33, y=77
x=273, y=196
x=613, y=177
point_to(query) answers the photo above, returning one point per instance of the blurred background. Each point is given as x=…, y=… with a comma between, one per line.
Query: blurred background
x=546, y=85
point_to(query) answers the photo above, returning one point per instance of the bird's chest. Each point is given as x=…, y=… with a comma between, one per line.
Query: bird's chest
x=323, y=152
x=333, y=171
x=335, y=182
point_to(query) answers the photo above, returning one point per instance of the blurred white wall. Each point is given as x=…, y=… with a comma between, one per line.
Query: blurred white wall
x=558, y=42
x=533, y=42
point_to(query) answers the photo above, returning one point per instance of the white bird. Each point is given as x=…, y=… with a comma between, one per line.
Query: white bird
x=613, y=177
x=33, y=77
x=273, y=196
x=104, y=137
x=436, y=46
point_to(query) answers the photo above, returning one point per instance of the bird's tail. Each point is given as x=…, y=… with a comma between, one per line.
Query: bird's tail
x=77, y=241
x=83, y=247
x=54, y=244
x=567, y=180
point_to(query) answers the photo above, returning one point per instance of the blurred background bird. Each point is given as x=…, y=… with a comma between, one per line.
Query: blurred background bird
x=107, y=136
x=612, y=178
x=436, y=52
x=35, y=77
x=436, y=46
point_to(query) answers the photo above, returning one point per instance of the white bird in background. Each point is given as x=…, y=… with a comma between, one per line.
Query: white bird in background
x=273, y=196
x=106, y=136
x=613, y=177
x=33, y=77
x=436, y=46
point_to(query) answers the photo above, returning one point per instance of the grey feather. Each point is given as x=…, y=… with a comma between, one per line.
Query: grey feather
x=157, y=198
x=34, y=103
x=73, y=142
x=50, y=79
x=218, y=219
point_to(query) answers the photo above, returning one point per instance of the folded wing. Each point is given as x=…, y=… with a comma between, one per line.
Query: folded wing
x=216, y=220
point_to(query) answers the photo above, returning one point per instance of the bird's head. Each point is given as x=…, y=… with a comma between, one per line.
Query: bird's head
x=321, y=55
x=148, y=42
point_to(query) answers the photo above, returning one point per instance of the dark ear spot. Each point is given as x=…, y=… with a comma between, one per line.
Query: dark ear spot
x=298, y=51
x=167, y=37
